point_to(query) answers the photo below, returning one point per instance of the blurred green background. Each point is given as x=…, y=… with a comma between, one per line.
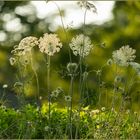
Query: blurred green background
x=122, y=29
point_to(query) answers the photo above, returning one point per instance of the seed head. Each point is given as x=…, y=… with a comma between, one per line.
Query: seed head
x=124, y=56
x=50, y=44
x=81, y=45
x=72, y=68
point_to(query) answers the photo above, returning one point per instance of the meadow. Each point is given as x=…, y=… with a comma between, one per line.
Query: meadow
x=74, y=100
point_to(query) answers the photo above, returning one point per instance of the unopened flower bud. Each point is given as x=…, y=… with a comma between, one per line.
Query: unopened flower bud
x=85, y=75
x=118, y=79
x=18, y=84
x=109, y=62
x=72, y=68
x=5, y=86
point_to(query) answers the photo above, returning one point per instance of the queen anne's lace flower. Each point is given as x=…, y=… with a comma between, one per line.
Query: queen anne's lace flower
x=87, y=5
x=136, y=66
x=68, y=98
x=81, y=45
x=12, y=61
x=124, y=55
x=49, y=44
x=25, y=45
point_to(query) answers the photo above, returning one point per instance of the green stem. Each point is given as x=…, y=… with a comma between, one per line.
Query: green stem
x=99, y=89
x=114, y=90
x=36, y=77
x=63, y=26
x=81, y=72
x=70, y=113
x=21, y=77
x=48, y=89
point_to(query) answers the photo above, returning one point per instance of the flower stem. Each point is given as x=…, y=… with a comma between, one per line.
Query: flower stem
x=81, y=73
x=36, y=77
x=48, y=89
x=70, y=112
x=63, y=26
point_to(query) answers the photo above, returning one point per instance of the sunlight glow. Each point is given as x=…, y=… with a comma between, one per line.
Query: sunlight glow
x=74, y=14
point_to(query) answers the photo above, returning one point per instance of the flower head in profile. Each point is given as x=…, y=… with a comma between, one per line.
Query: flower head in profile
x=12, y=61
x=68, y=98
x=5, y=86
x=49, y=44
x=124, y=55
x=25, y=45
x=136, y=67
x=81, y=45
x=88, y=5
x=55, y=93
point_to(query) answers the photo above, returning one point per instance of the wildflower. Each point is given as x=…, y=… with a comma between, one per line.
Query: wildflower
x=85, y=75
x=24, y=59
x=127, y=111
x=46, y=128
x=40, y=97
x=25, y=45
x=18, y=84
x=67, y=98
x=56, y=92
x=60, y=90
x=135, y=113
x=72, y=68
x=17, y=111
x=102, y=84
x=103, y=45
x=29, y=123
x=94, y=112
x=12, y=61
x=49, y=44
x=3, y=107
x=118, y=79
x=124, y=55
x=136, y=67
x=98, y=72
x=81, y=45
x=109, y=62
x=87, y=5
x=5, y=86
x=103, y=109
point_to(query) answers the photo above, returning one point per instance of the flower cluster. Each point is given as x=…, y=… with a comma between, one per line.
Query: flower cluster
x=124, y=56
x=81, y=45
x=72, y=68
x=136, y=67
x=55, y=93
x=68, y=98
x=25, y=45
x=87, y=5
x=50, y=44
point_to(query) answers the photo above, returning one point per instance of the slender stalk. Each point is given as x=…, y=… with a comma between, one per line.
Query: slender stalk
x=70, y=113
x=63, y=26
x=20, y=77
x=36, y=77
x=114, y=90
x=99, y=89
x=48, y=89
x=81, y=73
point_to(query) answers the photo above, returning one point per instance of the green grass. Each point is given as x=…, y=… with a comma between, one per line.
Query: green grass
x=32, y=122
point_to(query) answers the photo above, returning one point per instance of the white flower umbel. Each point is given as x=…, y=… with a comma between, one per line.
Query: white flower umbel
x=124, y=55
x=12, y=61
x=81, y=45
x=88, y=5
x=136, y=66
x=25, y=45
x=50, y=44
